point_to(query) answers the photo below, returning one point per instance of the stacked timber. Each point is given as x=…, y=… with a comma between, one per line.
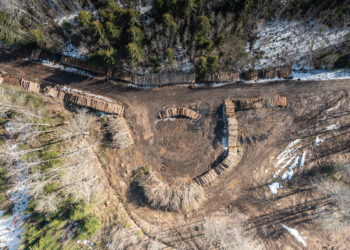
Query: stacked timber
x=35, y=55
x=13, y=79
x=231, y=158
x=179, y=112
x=30, y=86
x=206, y=178
x=285, y=72
x=163, y=78
x=45, y=55
x=122, y=75
x=94, y=103
x=84, y=65
x=222, y=77
x=84, y=100
x=268, y=73
x=250, y=103
x=232, y=154
x=220, y=169
x=251, y=75
x=232, y=127
x=229, y=108
x=278, y=101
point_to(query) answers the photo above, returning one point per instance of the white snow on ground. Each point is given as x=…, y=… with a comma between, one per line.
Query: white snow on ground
x=289, y=157
x=314, y=74
x=211, y=84
x=318, y=141
x=295, y=233
x=274, y=187
x=332, y=127
x=302, y=161
x=70, y=18
x=70, y=50
x=289, y=173
x=144, y=9
x=70, y=90
x=68, y=69
x=294, y=42
x=10, y=227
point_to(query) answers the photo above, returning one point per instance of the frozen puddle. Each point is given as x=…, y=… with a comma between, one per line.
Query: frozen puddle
x=295, y=234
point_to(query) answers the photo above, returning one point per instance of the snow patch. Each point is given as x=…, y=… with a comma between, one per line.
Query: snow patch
x=295, y=233
x=144, y=9
x=318, y=141
x=289, y=173
x=11, y=227
x=302, y=161
x=274, y=187
x=70, y=50
x=68, y=69
x=317, y=75
x=285, y=42
x=332, y=127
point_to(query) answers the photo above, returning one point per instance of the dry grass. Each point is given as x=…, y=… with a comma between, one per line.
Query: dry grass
x=177, y=196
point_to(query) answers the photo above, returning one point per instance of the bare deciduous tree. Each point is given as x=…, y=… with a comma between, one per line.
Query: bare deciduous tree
x=338, y=190
x=228, y=233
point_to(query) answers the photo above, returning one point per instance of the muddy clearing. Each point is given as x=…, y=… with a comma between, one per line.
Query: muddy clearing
x=277, y=147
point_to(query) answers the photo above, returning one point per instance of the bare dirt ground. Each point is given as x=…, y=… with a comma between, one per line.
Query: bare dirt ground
x=317, y=116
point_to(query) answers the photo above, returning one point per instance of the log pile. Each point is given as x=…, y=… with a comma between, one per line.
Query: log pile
x=85, y=101
x=94, y=103
x=206, y=178
x=250, y=103
x=13, y=79
x=251, y=75
x=222, y=77
x=268, y=73
x=30, y=86
x=229, y=108
x=35, y=55
x=285, y=72
x=256, y=103
x=84, y=65
x=232, y=153
x=278, y=101
x=163, y=78
x=178, y=112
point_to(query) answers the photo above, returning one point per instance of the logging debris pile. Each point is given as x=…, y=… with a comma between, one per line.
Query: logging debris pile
x=118, y=134
x=180, y=195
